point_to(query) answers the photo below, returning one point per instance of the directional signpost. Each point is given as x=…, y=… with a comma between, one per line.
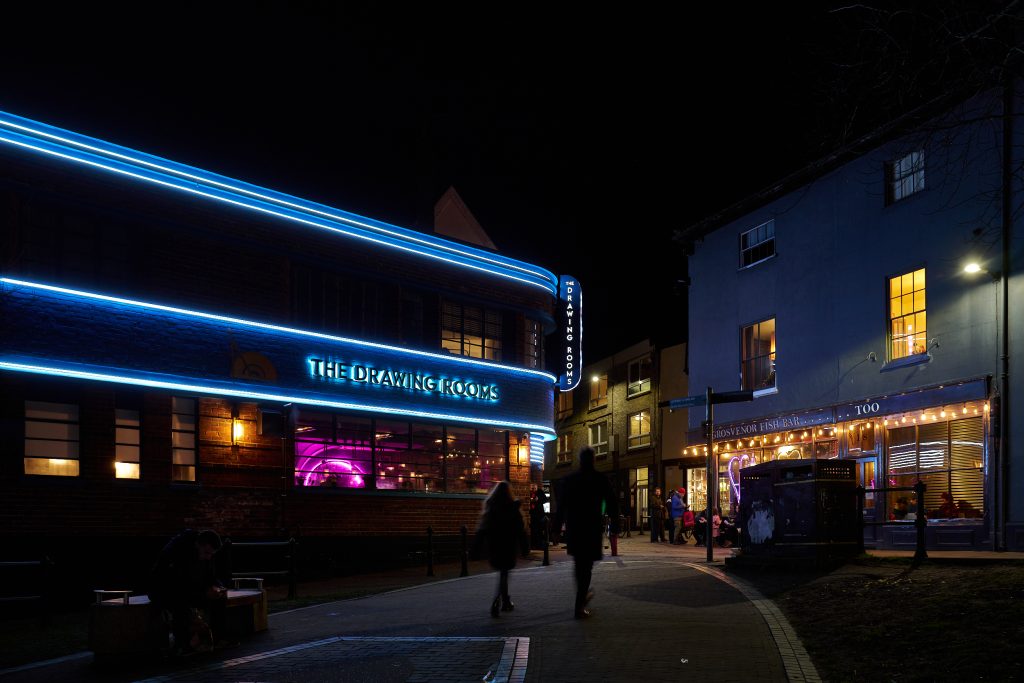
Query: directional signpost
x=708, y=400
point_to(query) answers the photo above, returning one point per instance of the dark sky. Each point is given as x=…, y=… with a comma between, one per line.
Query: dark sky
x=579, y=140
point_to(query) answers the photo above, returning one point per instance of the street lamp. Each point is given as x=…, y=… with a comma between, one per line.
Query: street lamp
x=973, y=268
x=1003, y=452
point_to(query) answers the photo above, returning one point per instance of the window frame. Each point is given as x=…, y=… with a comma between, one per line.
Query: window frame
x=122, y=423
x=195, y=440
x=890, y=339
x=631, y=438
x=771, y=356
x=602, y=399
x=564, y=449
x=769, y=226
x=490, y=346
x=564, y=411
x=601, y=448
x=949, y=469
x=892, y=180
x=641, y=388
x=73, y=423
x=533, y=349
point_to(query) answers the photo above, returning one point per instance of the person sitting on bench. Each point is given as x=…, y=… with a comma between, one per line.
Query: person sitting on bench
x=184, y=582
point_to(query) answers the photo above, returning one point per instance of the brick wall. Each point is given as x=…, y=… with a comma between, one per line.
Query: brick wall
x=242, y=490
x=93, y=231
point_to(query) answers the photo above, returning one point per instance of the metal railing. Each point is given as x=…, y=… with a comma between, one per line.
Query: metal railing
x=41, y=595
x=920, y=520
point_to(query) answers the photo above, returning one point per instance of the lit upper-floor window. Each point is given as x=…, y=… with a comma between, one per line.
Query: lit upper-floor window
x=471, y=331
x=639, y=377
x=639, y=429
x=51, y=439
x=904, y=177
x=564, y=404
x=599, y=390
x=908, y=324
x=757, y=361
x=757, y=244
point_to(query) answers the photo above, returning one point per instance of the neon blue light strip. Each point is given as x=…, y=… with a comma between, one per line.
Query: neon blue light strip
x=276, y=328
x=257, y=395
x=537, y=446
x=41, y=138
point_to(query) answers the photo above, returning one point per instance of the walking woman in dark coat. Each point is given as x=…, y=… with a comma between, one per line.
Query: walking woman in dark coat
x=502, y=532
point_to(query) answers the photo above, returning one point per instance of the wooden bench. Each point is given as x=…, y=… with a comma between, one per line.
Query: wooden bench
x=122, y=624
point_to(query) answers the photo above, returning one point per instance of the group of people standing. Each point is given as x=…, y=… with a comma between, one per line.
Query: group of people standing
x=672, y=514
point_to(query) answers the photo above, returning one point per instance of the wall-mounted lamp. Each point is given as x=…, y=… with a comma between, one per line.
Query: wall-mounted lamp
x=973, y=268
x=237, y=430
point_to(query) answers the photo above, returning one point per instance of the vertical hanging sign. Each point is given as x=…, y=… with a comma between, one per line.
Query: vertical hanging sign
x=570, y=331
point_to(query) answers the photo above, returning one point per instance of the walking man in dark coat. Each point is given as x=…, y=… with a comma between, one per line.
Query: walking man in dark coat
x=580, y=507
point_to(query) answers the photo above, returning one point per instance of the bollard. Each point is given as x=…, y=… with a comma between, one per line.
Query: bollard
x=430, y=551
x=292, y=547
x=860, y=518
x=920, y=522
x=547, y=533
x=465, y=554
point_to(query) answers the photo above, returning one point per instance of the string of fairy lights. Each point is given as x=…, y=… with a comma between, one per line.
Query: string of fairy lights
x=790, y=443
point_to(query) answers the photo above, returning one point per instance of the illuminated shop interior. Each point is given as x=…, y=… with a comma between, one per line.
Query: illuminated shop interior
x=943, y=446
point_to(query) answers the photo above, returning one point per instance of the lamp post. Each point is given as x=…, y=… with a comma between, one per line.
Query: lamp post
x=1002, y=467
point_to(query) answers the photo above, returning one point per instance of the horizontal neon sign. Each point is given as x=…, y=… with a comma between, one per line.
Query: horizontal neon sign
x=337, y=371
x=188, y=386
x=274, y=328
x=55, y=142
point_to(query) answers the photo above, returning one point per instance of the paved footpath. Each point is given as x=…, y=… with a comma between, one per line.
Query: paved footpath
x=659, y=613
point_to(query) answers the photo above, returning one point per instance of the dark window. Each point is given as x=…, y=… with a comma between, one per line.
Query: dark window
x=564, y=404
x=904, y=177
x=757, y=244
x=639, y=377
x=531, y=344
x=563, y=456
x=183, y=439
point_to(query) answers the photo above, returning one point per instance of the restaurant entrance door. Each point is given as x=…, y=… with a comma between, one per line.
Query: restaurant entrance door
x=640, y=496
x=867, y=476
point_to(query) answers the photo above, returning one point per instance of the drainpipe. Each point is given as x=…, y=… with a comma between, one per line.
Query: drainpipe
x=1004, y=351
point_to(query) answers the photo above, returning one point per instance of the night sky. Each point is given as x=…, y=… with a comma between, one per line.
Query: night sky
x=579, y=140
